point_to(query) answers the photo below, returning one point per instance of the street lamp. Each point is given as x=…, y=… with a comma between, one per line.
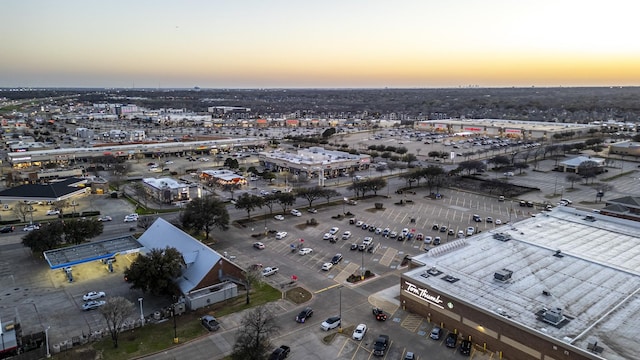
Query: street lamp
x=362, y=267
x=340, y=307
x=46, y=340
x=173, y=314
x=141, y=312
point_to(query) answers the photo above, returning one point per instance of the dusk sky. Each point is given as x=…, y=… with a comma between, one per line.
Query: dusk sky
x=318, y=44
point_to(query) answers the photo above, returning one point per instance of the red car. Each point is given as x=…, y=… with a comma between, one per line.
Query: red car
x=379, y=314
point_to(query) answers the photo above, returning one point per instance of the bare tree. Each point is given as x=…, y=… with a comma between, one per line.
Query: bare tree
x=21, y=210
x=145, y=222
x=252, y=342
x=252, y=277
x=115, y=312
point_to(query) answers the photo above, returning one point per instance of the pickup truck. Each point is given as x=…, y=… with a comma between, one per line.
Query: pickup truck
x=380, y=346
x=280, y=353
x=268, y=271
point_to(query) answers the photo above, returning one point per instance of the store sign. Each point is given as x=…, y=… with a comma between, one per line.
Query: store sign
x=424, y=294
x=473, y=129
x=513, y=131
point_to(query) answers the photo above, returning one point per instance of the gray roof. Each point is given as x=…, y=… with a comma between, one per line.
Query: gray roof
x=56, y=190
x=633, y=201
x=91, y=251
x=595, y=278
x=576, y=161
x=199, y=258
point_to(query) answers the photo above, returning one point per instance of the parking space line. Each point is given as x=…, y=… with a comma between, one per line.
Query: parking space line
x=346, y=272
x=412, y=322
x=388, y=256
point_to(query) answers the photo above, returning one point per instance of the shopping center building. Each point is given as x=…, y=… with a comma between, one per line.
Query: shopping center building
x=524, y=130
x=562, y=285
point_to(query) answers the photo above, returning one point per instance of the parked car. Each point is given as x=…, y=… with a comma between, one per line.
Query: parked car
x=367, y=240
x=498, y=222
x=130, y=218
x=409, y=356
x=334, y=230
x=93, y=304
x=304, y=315
x=336, y=259
x=489, y=219
x=258, y=245
x=380, y=346
x=312, y=210
x=279, y=217
x=451, y=340
x=393, y=234
x=428, y=240
x=105, y=218
x=359, y=223
x=93, y=295
x=327, y=266
x=359, y=332
x=281, y=235
x=436, y=333
x=477, y=218
x=471, y=230
x=305, y=251
x=280, y=353
x=331, y=323
x=465, y=347
x=53, y=212
x=210, y=323
x=420, y=237
x=346, y=235
x=437, y=240
x=295, y=212
x=443, y=229
x=353, y=247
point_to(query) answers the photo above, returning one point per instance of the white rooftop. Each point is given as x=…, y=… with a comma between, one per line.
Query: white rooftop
x=164, y=183
x=595, y=280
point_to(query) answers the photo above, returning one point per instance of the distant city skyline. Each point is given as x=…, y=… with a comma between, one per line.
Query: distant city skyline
x=327, y=44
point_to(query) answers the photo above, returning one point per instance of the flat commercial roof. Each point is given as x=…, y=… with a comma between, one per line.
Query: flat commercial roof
x=584, y=263
x=520, y=124
x=60, y=258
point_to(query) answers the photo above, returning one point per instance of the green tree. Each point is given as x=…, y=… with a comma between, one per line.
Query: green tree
x=115, y=312
x=285, y=200
x=328, y=133
x=205, y=214
x=252, y=341
x=231, y=163
x=155, y=271
x=48, y=237
x=76, y=231
x=249, y=202
x=310, y=194
x=409, y=158
x=268, y=176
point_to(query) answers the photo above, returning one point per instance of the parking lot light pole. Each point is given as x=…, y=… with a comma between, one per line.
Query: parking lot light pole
x=141, y=312
x=362, y=267
x=46, y=340
x=340, y=309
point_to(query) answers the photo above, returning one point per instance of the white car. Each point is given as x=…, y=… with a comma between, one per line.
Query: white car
x=331, y=323
x=334, y=230
x=279, y=217
x=281, y=235
x=471, y=230
x=327, y=266
x=105, y=218
x=405, y=232
x=428, y=239
x=131, y=217
x=31, y=227
x=346, y=235
x=93, y=304
x=326, y=236
x=359, y=223
x=93, y=295
x=295, y=212
x=367, y=240
x=305, y=251
x=498, y=222
x=358, y=333
x=53, y=212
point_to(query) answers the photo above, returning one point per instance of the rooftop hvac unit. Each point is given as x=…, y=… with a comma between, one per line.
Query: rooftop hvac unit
x=503, y=275
x=553, y=316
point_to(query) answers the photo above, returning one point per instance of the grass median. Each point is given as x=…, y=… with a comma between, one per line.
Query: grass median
x=156, y=337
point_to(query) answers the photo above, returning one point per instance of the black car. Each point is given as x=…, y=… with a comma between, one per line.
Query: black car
x=451, y=340
x=380, y=346
x=7, y=229
x=304, y=315
x=336, y=259
x=280, y=353
x=465, y=347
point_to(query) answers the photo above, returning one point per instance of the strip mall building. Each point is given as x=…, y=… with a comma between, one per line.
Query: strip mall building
x=562, y=285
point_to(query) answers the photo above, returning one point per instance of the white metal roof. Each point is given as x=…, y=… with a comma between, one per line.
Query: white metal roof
x=596, y=279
